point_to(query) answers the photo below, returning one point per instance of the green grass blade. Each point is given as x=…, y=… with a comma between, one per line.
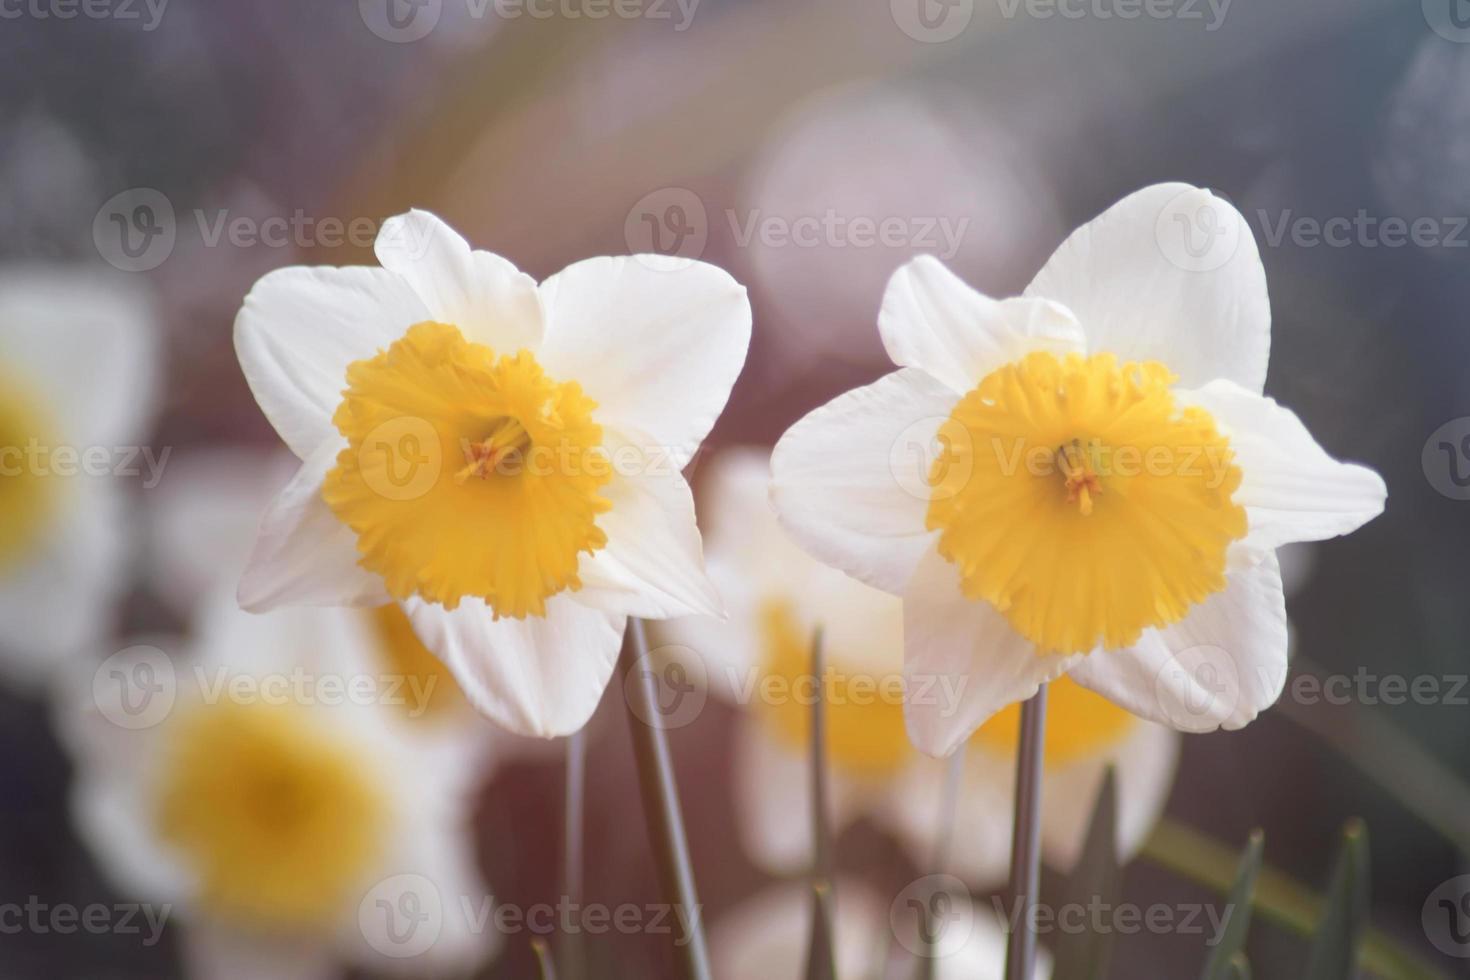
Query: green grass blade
x=1222, y=960
x=1343, y=923
x=1085, y=955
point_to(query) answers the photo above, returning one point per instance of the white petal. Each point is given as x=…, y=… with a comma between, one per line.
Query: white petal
x=434, y=856
x=299, y=329
x=933, y=321
x=773, y=798
x=652, y=565
x=216, y=952
x=536, y=676
x=980, y=850
x=111, y=798
x=740, y=535
x=304, y=555
x=772, y=801
x=325, y=641
x=204, y=515
x=1143, y=292
x=849, y=481
x=90, y=346
x=484, y=295
x=58, y=603
x=1291, y=489
x=767, y=937
x=1222, y=665
x=1145, y=760
x=740, y=526
x=962, y=661
x=656, y=341
x=111, y=812
x=982, y=955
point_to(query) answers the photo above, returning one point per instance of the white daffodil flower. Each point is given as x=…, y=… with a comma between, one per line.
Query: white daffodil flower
x=1103, y=485
x=78, y=370
x=769, y=936
x=500, y=458
x=760, y=659
x=260, y=794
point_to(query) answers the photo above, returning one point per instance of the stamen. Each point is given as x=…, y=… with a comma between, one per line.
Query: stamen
x=1082, y=481
x=507, y=438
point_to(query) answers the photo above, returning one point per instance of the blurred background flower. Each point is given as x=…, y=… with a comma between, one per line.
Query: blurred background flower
x=759, y=659
x=278, y=133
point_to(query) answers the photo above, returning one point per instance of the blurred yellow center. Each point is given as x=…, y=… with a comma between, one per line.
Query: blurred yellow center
x=1079, y=725
x=278, y=818
x=468, y=473
x=429, y=688
x=865, y=727
x=864, y=713
x=27, y=496
x=1081, y=502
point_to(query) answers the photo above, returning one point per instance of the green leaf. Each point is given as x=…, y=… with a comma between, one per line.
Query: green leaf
x=1238, y=968
x=1096, y=878
x=1222, y=959
x=1342, y=926
x=1279, y=899
x=543, y=959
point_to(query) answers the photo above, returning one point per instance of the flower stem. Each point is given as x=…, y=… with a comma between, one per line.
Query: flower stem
x=569, y=941
x=819, y=959
x=1026, y=839
x=821, y=831
x=661, y=799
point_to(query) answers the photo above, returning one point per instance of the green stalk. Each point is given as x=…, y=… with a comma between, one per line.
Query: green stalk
x=661, y=799
x=569, y=951
x=1026, y=840
x=820, y=959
